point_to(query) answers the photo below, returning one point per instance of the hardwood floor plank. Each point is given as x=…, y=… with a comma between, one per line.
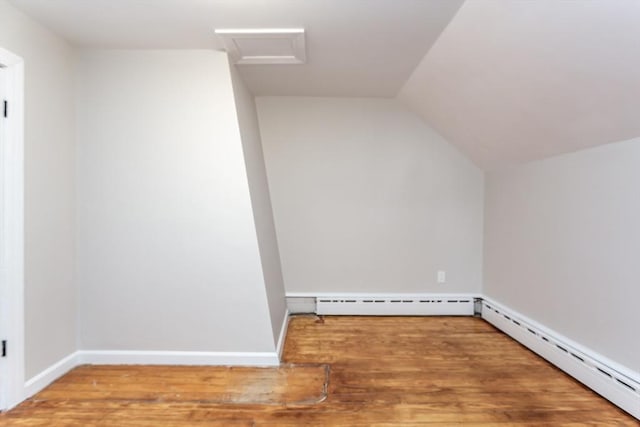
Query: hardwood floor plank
x=287, y=384
x=384, y=371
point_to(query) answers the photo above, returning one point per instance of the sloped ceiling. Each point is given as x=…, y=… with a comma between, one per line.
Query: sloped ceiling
x=507, y=81
x=354, y=47
x=510, y=81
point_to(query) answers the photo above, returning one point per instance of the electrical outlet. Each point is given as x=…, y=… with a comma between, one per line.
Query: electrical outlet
x=442, y=276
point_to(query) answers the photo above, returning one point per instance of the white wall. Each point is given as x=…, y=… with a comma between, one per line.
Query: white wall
x=167, y=249
x=367, y=198
x=50, y=294
x=260, y=201
x=562, y=240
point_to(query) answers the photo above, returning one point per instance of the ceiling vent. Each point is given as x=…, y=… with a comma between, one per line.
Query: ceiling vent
x=264, y=46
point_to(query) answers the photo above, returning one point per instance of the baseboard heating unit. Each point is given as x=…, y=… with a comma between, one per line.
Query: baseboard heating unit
x=594, y=371
x=607, y=378
x=396, y=305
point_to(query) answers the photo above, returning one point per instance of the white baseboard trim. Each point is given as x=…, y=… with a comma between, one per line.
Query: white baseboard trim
x=49, y=375
x=283, y=334
x=610, y=380
x=211, y=358
x=124, y=357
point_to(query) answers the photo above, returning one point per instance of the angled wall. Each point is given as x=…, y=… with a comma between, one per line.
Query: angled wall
x=260, y=201
x=168, y=257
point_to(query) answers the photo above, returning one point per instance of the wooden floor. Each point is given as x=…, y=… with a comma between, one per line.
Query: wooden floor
x=383, y=371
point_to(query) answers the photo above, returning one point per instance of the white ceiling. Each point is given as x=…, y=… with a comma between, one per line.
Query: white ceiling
x=506, y=81
x=510, y=81
x=354, y=47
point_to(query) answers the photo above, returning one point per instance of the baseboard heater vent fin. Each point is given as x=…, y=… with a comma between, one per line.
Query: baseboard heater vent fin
x=588, y=369
x=395, y=306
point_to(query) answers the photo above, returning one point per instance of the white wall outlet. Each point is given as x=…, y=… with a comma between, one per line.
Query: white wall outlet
x=442, y=276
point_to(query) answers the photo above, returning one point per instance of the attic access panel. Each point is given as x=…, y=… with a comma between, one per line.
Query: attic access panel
x=264, y=46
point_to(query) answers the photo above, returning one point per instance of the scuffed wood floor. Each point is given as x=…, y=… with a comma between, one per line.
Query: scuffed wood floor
x=286, y=385
x=384, y=371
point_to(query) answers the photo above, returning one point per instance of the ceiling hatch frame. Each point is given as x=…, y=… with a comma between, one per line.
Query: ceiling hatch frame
x=238, y=45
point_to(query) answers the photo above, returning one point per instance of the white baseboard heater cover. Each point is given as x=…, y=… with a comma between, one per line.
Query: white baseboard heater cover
x=613, y=385
x=396, y=305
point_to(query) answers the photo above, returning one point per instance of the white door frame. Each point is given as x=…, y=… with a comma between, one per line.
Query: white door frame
x=12, y=232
